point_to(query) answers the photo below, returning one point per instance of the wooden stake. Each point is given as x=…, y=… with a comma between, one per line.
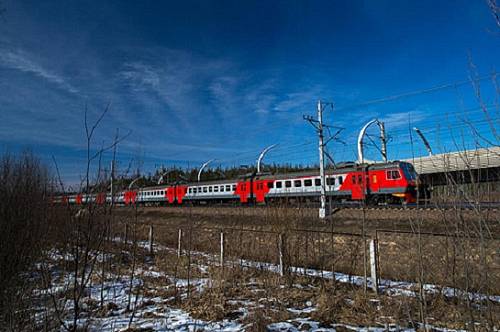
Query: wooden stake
x=280, y=248
x=222, y=250
x=179, y=243
x=373, y=264
x=151, y=239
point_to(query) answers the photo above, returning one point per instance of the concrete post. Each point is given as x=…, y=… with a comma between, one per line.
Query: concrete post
x=373, y=264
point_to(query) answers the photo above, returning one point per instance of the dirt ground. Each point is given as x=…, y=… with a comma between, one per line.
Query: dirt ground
x=442, y=244
x=342, y=220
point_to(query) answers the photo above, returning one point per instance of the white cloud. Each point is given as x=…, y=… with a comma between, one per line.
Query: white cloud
x=401, y=119
x=21, y=61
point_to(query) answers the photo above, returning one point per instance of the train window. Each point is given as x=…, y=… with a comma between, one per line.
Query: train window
x=393, y=175
x=317, y=182
x=308, y=183
x=360, y=179
x=330, y=181
x=408, y=171
x=279, y=184
x=234, y=187
x=228, y=187
x=288, y=184
x=205, y=189
x=221, y=188
x=216, y=189
x=297, y=183
x=210, y=189
x=341, y=179
x=163, y=192
x=354, y=179
x=270, y=185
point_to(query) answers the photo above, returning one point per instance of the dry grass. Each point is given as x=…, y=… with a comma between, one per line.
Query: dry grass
x=268, y=296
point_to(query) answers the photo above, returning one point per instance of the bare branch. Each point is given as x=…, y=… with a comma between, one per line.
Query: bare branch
x=495, y=10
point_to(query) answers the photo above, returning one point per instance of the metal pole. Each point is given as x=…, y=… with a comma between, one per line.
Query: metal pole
x=383, y=140
x=322, y=209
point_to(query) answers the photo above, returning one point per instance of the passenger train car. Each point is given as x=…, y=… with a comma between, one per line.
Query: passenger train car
x=393, y=182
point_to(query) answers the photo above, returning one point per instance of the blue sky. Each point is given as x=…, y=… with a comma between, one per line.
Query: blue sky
x=196, y=80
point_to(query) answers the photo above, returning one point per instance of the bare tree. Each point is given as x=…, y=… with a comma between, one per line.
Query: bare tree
x=495, y=10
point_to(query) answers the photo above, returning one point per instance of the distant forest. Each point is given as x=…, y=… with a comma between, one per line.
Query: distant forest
x=172, y=175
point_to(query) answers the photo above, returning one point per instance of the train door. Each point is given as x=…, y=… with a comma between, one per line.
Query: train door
x=375, y=181
x=360, y=184
x=358, y=187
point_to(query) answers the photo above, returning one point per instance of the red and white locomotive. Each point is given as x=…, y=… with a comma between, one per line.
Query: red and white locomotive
x=385, y=182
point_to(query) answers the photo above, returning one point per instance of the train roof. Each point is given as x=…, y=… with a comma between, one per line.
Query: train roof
x=340, y=169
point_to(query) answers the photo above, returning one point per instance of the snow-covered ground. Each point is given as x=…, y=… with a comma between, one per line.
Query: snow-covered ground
x=147, y=308
x=390, y=287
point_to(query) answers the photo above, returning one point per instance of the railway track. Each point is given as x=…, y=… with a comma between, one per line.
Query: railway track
x=490, y=206
x=483, y=206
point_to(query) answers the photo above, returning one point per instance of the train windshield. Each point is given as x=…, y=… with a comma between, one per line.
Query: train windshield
x=409, y=171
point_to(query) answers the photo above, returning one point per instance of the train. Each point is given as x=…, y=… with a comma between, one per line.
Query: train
x=391, y=182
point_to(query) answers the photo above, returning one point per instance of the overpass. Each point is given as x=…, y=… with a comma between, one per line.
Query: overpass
x=467, y=160
x=468, y=173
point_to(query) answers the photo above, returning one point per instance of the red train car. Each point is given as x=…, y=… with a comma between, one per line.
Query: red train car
x=393, y=182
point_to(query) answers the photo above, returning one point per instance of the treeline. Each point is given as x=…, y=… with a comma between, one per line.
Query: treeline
x=176, y=175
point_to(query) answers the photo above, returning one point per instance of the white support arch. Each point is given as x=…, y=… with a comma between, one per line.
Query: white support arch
x=133, y=182
x=261, y=156
x=424, y=140
x=383, y=141
x=160, y=180
x=203, y=167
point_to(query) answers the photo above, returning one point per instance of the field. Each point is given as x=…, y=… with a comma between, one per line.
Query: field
x=275, y=269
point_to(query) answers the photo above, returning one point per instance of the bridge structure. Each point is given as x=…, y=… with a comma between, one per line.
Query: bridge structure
x=460, y=161
x=466, y=172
